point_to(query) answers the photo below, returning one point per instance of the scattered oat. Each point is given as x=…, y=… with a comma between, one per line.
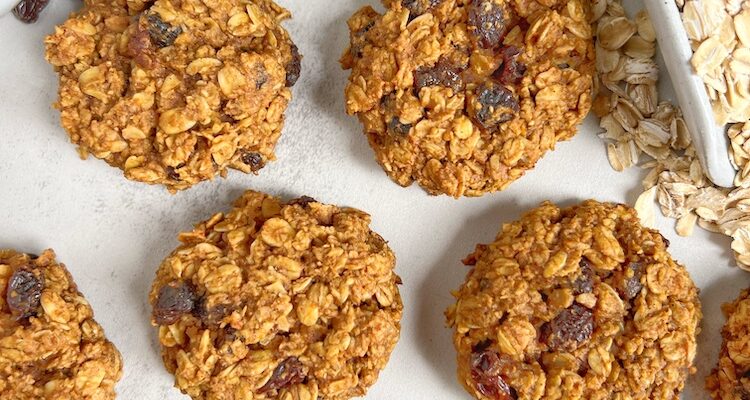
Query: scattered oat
x=640, y=129
x=719, y=33
x=644, y=206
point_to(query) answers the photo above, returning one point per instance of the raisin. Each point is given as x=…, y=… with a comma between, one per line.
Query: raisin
x=472, y=258
x=395, y=127
x=162, y=34
x=487, y=373
x=585, y=281
x=294, y=67
x=511, y=71
x=665, y=240
x=28, y=11
x=498, y=105
x=253, y=160
x=173, y=174
x=175, y=299
x=211, y=316
x=288, y=372
x=226, y=335
x=442, y=74
x=262, y=78
x=569, y=329
x=376, y=242
x=303, y=201
x=24, y=293
x=419, y=7
x=487, y=23
x=631, y=285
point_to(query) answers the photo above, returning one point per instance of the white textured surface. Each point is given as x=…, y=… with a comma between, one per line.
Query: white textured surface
x=112, y=233
x=6, y=6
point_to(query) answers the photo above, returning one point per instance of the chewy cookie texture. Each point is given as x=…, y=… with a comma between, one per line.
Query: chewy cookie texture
x=464, y=96
x=50, y=345
x=575, y=303
x=175, y=92
x=731, y=379
x=274, y=300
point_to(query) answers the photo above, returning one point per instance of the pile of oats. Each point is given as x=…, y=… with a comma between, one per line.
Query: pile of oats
x=644, y=131
x=719, y=33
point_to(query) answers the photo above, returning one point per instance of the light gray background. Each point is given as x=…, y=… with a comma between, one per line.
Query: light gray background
x=112, y=233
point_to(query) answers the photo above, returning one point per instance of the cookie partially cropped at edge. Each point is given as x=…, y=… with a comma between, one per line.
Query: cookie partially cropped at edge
x=278, y=300
x=50, y=345
x=175, y=92
x=464, y=96
x=731, y=379
x=575, y=303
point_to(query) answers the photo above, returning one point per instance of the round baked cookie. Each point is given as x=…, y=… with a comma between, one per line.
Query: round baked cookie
x=174, y=92
x=277, y=300
x=464, y=96
x=575, y=303
x=50, y=345
x=731, y=379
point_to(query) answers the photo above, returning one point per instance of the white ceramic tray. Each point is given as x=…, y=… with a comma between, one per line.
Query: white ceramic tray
x=709, y=138
x=112, y=233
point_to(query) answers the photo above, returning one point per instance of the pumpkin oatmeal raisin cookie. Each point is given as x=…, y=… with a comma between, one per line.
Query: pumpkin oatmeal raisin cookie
x=731, y=379
x=50, y=345
x=464, y=96
x=277, y=300
x=174, y=92
x=575, y=303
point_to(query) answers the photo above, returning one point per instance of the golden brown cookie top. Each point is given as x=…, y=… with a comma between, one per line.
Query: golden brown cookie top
x=50, y=345
x=731, y=379
x=464, y=96
x=581, y=301
x=278, y=299
x=175, y=92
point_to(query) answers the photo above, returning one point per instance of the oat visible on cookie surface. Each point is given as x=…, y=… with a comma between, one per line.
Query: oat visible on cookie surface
x=464, y=96
x=731, y=379
x=575, y=303
x=175, y=92
x=274, y=300
x=50, y=345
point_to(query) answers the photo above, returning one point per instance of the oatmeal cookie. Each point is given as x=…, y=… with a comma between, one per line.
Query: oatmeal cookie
x=464, y=96
x=575, y=303
x=50, y=345
x=276, y=300
x=731, y=379
x=175, y=92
